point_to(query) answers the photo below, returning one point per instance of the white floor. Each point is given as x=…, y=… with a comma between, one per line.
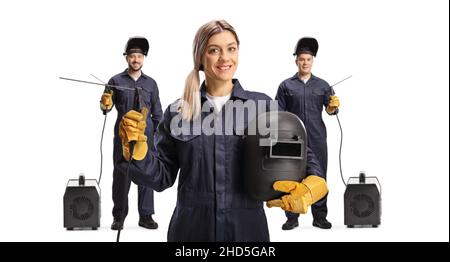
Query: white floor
x=40, y=218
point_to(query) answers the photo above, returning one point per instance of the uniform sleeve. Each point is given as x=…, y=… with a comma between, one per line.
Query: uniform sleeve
x=157, y=112
x=312, y=164
x=108, y=88
x=159, y=169
x=281, y=98
x=326, y=98
x=327, y=94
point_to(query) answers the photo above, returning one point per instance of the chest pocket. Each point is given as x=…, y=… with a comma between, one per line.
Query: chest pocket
x=189, y=147
x=289, y=97
x=122, y=98
x=147, y=98
x=318, y=97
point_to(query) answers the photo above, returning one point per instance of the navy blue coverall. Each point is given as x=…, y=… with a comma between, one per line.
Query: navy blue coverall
x=124, y=102
x=307, y=102
x=211, y=202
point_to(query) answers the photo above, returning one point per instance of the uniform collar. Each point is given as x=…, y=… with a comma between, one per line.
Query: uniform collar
x=295, y=77
x=238, y=92
x=125, y=74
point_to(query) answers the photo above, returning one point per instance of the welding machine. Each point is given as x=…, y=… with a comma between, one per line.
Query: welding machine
x=362, y=201
x=82, y=204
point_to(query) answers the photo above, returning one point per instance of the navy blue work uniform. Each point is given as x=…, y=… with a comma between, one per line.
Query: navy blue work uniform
x=124, y=102
x=307, y=102
x=211, y=202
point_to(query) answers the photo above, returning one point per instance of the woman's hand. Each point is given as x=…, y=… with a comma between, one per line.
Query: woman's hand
x=301, y=194
x=132, y=128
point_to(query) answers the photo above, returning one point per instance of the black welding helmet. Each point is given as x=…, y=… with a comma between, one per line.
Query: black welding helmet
x=276, y=151
x=306, y=45
x=136, y=44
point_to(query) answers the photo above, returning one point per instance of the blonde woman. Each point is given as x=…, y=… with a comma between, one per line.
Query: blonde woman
x=211, y=202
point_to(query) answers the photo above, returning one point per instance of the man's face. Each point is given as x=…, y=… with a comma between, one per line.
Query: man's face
x=221, y=56
x=135, y=61
x=304, y=63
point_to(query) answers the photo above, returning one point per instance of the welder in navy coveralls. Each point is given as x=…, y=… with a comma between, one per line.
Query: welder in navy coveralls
x=124, y=100
x=211, y=202
x=306, y=95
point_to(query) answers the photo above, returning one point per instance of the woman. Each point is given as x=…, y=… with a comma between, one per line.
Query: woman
x=211, y=202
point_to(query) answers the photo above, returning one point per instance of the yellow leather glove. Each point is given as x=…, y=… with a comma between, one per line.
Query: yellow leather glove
x=132, y=128
x=333, y=104
x=106, y=102
x=301, y=194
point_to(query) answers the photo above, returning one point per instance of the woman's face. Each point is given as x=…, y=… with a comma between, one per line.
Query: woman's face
x=221, y=55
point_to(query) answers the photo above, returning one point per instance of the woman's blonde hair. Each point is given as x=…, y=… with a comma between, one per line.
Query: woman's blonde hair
x=190, y=106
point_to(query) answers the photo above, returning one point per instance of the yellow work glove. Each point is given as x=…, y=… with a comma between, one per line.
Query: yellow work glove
x=106, y=102
x=333, y=105
x=301, y=194
x=132, y=128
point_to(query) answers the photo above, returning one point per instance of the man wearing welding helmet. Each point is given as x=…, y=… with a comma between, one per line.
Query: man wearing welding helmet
x=305, y=95
x=125, y=100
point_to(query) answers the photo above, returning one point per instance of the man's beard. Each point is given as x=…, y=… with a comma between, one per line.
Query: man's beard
x=130, y=67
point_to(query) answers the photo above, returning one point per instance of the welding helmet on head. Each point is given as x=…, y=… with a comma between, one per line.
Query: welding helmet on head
x=306, y=45
x=136, y=44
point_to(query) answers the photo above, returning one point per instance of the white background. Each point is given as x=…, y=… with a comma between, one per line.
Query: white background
x=394, y=109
